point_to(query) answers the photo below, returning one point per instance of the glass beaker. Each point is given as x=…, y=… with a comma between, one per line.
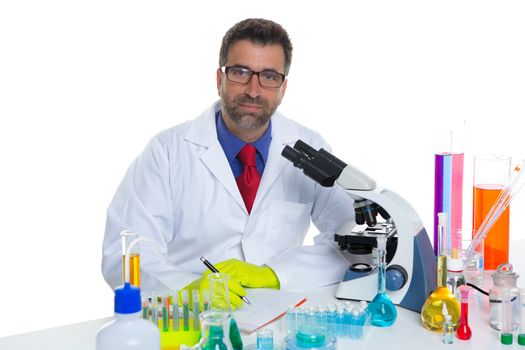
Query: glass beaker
x=473, y=268
x=491, y=174
x=504, y=279
x=220, y=301
x=126, y=237
x=219, y=292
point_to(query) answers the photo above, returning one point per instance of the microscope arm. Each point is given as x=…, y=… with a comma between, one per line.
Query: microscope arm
x=326, y=169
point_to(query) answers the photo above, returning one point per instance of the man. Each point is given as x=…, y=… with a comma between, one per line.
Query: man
x=218, y=187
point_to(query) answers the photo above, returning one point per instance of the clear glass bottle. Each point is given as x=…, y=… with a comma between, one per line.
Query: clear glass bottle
x=220, y=301
x=455, y=277
x=504, y=278
x=382, y=309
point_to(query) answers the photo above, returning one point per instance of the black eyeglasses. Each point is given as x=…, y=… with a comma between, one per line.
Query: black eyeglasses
x=242, y=75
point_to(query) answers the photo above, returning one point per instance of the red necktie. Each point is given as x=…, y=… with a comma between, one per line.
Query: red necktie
x=248, y=181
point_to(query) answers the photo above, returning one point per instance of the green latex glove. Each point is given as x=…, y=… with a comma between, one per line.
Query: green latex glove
x=235, y=291
x=249, y=275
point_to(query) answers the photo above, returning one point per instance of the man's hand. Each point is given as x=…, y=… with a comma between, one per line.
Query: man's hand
x=249, y=275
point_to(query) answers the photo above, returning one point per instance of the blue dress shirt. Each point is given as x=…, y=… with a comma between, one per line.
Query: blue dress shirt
x=231, y=145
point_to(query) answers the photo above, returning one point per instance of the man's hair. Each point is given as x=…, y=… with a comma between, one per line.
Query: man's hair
x=258, y=31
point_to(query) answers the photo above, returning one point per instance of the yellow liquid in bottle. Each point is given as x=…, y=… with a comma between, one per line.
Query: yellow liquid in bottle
x=432, y=311
x=134, y=269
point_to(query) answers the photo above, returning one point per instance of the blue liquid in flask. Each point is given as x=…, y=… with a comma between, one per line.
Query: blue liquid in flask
x=382, y=310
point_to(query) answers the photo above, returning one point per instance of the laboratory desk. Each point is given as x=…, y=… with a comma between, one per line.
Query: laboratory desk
x=407, y=332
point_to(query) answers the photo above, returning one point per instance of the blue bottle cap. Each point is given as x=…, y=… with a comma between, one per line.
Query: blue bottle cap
x=127, y=299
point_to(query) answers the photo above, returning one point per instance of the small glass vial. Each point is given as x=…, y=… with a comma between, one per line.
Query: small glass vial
x=448, y=327
x=265, y=339
x=291, y=319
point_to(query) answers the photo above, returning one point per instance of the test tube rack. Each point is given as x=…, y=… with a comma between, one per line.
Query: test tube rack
x=160, y=311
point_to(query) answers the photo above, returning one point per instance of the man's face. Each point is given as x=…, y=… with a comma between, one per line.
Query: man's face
x=250, y=106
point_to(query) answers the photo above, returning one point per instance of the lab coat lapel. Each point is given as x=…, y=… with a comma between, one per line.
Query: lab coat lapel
x=282, y=135
x=203, y=131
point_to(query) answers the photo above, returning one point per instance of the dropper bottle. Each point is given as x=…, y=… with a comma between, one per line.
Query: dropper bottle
x=382, y=309
x=448, y=327
x=128, y=330
x=431, y=314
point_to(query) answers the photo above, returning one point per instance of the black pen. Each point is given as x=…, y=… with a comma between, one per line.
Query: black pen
x=214, y=269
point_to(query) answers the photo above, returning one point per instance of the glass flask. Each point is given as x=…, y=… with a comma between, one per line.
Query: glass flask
x=381, y=308
x=431, y=313
x=504, y=278
x=464, y=332
x=220, y=301
x=215, y=331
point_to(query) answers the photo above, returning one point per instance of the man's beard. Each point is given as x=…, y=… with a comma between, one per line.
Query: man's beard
x=248, y=120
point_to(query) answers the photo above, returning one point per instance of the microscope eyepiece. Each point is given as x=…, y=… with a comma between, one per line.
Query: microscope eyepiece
x=320, y=165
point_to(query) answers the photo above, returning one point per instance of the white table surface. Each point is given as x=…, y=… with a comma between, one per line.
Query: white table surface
x=406, y=333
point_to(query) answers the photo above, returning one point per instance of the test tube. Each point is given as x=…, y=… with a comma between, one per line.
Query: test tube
x=196, y=309
x=521, y=334
x=506, y=336
x=126, y=238
x=205, y=300
x=175, y=305
x=145, y=307
x=185, y=310
x=154, y=310
x=165, y=313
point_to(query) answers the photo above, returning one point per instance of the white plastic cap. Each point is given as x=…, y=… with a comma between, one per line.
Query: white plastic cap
x=443, y=219
x=454, y=265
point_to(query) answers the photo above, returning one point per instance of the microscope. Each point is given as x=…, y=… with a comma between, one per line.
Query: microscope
x=411, y=263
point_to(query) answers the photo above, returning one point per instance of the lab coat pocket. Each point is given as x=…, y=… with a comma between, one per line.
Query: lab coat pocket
x=288, y=224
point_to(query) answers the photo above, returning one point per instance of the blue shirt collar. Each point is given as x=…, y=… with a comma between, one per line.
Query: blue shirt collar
x=231, y=144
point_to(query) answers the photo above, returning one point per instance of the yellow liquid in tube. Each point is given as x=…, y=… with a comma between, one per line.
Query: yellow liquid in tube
x=432, y=311
x=134, y=269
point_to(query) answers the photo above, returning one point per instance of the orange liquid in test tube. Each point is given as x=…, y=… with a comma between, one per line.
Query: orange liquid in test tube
x=497, y=240
x=134, y=269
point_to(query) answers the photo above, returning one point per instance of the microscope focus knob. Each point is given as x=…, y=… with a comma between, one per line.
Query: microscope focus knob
x=396, y=277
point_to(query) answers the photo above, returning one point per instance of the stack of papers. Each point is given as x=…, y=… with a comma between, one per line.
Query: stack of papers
x=267, y=305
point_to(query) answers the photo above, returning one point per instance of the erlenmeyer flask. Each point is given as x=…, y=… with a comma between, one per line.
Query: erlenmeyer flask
x=215, y=332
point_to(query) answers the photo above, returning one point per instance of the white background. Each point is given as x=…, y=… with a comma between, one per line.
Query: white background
x=85, y=84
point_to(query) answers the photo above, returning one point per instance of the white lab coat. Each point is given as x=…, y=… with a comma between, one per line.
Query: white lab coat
x=181, y=192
